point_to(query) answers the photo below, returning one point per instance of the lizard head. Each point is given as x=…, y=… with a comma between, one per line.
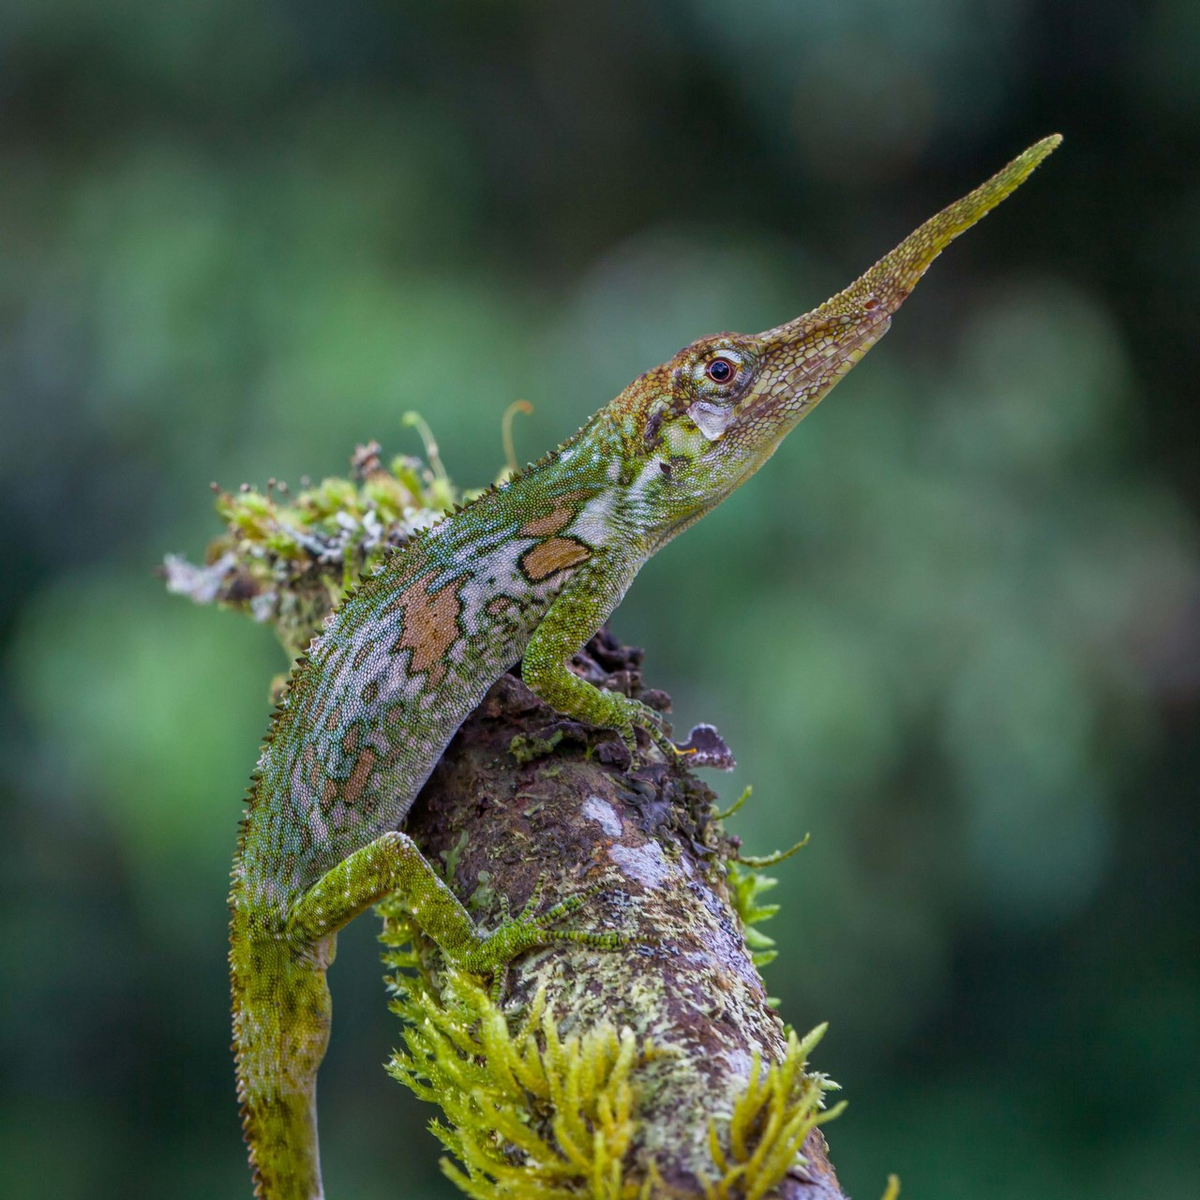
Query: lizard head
x=708, y=419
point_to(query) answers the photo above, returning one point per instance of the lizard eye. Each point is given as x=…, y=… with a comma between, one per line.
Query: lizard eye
x=721, y=370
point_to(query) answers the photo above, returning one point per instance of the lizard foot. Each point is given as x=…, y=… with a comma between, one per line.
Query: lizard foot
x=529, y=929
x=641, y=716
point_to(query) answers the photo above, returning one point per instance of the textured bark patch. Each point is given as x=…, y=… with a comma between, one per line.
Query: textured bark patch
x=553, y=556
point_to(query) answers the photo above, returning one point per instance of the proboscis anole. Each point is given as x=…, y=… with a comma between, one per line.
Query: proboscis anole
x=526, y=572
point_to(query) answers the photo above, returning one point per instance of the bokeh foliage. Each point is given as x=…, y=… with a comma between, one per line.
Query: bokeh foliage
x=951, y=629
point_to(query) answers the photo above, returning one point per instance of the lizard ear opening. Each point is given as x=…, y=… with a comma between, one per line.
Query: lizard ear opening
x=711, y=419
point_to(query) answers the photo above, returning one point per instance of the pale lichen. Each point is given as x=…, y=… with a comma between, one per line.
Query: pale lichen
x=287, y=558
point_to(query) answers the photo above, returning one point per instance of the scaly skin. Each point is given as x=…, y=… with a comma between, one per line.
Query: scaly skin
x=527, y=572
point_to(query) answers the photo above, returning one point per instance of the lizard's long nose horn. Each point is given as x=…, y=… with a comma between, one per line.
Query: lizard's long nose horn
x=888, y=283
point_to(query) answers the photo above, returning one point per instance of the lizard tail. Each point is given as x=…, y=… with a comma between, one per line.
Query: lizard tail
x=281, y=1134
x=281, y=1016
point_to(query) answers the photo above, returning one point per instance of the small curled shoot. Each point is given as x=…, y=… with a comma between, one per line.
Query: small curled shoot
x=512, y=466
x=746, y=794
x=756, y=861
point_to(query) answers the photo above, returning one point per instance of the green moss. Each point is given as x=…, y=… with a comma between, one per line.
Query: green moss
x=526, y=748
x=288, y=558
x=451, y=857
x=745, y=887
x=761, y=1140
x=528, y=1112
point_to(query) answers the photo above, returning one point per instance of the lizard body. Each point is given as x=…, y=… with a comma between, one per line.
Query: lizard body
x=527, y=572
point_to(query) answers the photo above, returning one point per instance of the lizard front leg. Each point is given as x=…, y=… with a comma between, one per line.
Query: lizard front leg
x=574, y=616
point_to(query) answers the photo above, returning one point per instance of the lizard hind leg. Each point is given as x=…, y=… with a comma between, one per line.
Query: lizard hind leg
x=282, y=1010
x=393, y=865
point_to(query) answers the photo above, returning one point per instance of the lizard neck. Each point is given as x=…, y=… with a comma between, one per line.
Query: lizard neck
x=560, y=511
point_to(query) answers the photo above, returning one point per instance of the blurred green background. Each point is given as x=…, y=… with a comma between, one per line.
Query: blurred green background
x=951, y=629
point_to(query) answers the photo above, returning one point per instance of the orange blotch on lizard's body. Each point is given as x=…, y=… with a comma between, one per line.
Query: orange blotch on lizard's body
x=430, y=626
x=552, y=556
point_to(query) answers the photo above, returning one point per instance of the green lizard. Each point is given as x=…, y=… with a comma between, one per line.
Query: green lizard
x=526, y=572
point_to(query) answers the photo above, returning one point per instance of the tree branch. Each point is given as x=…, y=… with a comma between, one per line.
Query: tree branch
x=521, y=793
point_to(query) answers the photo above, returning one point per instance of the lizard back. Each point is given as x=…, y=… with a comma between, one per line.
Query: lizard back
x=400, y=665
